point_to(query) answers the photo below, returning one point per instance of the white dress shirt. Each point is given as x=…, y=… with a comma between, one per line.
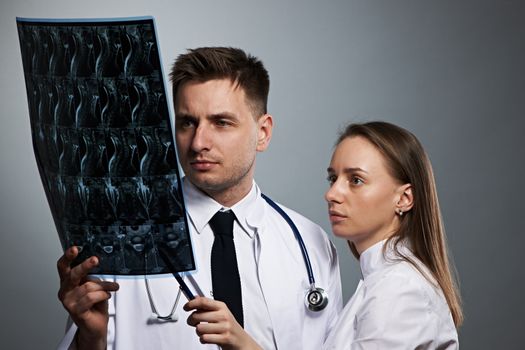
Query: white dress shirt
x=273, y=282
x=393, y=307
x=256, y=318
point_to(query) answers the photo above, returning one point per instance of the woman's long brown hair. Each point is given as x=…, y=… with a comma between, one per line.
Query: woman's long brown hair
x=422, y=225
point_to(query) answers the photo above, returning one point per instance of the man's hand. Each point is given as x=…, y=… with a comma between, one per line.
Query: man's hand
x=86, y=300
x=215, y=324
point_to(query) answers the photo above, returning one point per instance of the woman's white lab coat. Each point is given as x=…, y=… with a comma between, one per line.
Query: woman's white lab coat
x=394, y=307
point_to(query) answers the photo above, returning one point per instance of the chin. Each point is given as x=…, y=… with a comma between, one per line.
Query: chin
x=205, y=183
x=341, y=232
x=348, y=233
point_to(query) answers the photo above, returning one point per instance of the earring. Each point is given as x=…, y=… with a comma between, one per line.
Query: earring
x=400, y=212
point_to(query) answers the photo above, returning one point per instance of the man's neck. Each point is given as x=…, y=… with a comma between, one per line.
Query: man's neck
x=231, y=196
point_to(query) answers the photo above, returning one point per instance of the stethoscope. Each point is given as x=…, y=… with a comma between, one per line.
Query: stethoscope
x=316, y=298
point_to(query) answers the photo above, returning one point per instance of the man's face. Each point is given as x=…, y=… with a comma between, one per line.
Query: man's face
x=218, y=138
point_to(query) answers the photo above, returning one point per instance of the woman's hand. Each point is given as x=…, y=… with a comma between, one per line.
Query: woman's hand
x=215, y=324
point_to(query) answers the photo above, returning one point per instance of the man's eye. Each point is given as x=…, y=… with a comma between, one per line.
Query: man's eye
x=222, y=122
x=185, y=123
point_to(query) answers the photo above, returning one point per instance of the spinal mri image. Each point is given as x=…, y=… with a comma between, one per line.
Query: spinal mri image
x=103, y=142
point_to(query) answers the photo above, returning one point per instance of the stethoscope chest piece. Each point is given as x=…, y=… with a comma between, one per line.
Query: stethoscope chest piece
x=316, y=299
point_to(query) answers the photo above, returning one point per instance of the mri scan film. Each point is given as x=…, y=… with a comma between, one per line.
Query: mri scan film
x=103, y=142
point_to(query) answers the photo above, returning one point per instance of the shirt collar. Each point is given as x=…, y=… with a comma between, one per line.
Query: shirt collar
x=249, y=211
x=373, y=259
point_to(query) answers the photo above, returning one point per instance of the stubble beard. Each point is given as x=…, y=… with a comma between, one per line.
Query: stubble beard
x=232, y=188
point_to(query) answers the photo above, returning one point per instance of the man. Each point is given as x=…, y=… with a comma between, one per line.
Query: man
x=220, y=97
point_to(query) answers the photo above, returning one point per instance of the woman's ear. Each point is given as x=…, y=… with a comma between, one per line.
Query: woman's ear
x=405, y=200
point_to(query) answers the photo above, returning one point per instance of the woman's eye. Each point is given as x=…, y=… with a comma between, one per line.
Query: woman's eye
x=356, y=181
x=331, y=179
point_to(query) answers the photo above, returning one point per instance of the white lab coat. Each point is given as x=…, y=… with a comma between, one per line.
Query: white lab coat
x=281, y=274
x=394, y=307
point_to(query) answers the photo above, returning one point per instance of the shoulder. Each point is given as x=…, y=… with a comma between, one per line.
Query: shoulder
x=400, y=299
x=401, y=281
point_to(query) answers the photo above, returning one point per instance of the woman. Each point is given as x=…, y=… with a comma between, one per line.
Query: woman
x=382, y=199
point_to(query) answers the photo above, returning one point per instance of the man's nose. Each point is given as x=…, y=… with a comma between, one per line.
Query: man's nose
x=201, y=139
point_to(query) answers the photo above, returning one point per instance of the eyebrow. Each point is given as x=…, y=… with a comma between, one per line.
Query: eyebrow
x=348, y=170
x=219, y=115
x=183, y=115
x=226, y=115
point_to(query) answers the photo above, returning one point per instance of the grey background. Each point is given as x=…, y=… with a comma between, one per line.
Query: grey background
x=450, y=71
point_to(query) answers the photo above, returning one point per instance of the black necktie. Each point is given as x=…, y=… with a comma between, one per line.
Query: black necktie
x=224, y=271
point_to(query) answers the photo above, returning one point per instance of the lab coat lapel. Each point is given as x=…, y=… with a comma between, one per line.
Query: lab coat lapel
x=281, y=287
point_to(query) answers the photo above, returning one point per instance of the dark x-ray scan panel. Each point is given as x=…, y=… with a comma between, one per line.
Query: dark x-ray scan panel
x=103, y=142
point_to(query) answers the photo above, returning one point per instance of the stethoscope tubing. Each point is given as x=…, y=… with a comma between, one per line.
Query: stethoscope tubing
x=297, y=235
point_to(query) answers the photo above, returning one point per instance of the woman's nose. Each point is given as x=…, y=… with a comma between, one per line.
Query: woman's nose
x=333, y=194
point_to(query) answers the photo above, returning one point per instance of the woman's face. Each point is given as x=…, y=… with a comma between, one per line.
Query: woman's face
x=363, y=197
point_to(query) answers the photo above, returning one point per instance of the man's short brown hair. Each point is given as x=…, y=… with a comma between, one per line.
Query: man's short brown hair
x=207, y=63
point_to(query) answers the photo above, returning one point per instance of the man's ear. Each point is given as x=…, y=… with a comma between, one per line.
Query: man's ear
x=264, y=132
x=406, y=198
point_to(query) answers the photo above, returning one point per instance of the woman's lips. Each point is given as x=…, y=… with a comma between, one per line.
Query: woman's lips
x=336, y=217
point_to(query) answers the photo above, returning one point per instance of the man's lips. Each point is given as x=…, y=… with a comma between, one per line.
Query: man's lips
x=203, y=165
